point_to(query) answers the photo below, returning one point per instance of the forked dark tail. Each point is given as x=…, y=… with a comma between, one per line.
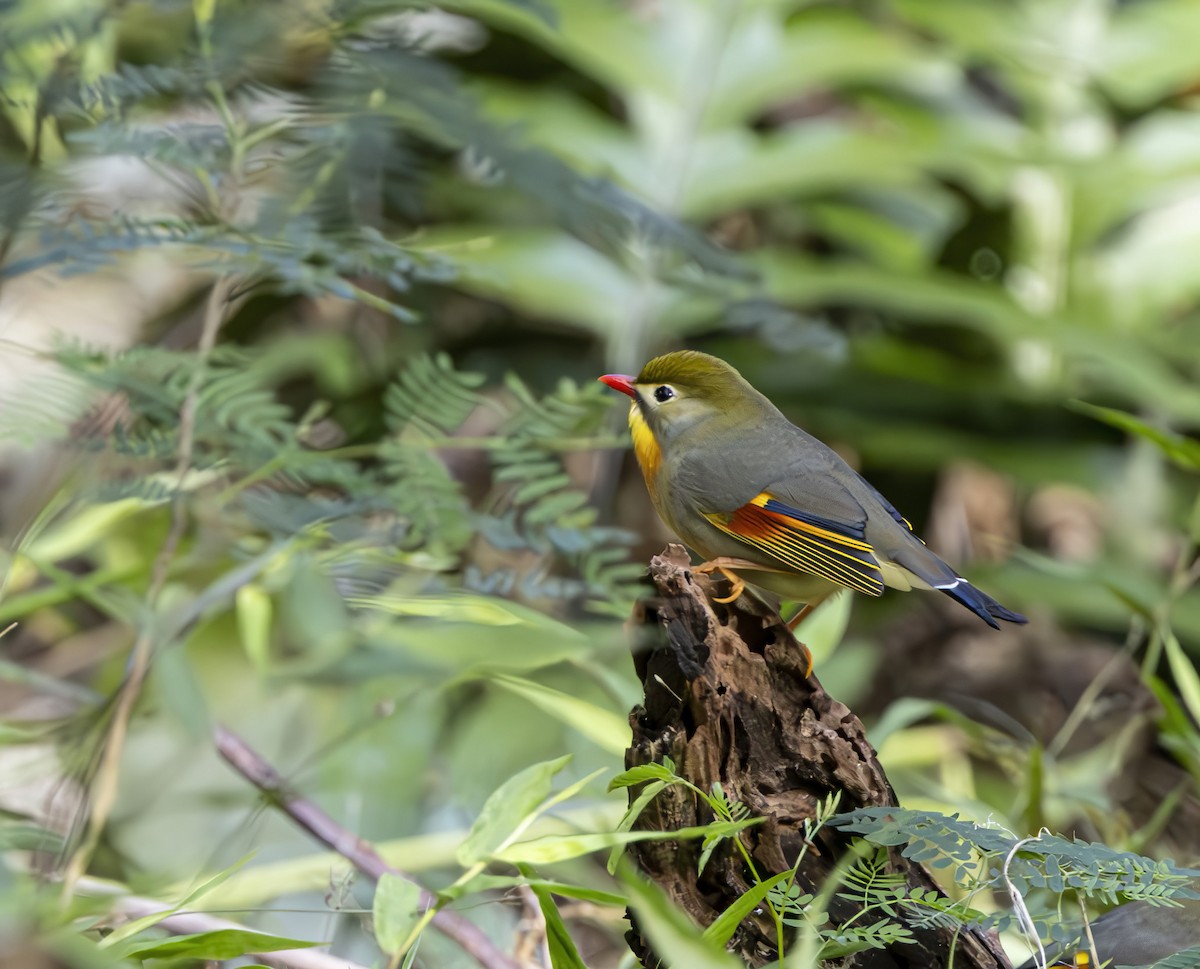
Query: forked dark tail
x=980, y=603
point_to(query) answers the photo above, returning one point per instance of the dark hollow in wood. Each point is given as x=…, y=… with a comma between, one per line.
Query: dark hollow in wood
x=727, y=700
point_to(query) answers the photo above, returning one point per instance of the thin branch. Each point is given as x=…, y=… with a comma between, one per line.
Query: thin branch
x=360, y=853
x=104, y=792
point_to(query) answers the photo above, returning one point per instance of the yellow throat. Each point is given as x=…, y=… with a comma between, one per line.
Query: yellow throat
x=645, y=448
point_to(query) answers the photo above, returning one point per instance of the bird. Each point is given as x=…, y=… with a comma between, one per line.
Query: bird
x=1134, y=934
x=766, y=503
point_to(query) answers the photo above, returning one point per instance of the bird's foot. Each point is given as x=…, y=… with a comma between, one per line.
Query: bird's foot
x=795, y=621
x=737, y=587
x=725, y=564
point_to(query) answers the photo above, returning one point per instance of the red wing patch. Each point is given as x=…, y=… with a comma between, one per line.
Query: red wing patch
x=805, y=542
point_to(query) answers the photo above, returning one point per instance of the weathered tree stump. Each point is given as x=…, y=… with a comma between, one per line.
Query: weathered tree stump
x=727, y=699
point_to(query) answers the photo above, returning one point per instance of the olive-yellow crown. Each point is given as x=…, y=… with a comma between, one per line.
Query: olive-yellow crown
x=699, y=373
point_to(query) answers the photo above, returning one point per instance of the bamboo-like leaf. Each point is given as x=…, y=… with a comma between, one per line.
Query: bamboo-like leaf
x=395, y=911
x=682, y=944
x=513, y=803
x=602, y=727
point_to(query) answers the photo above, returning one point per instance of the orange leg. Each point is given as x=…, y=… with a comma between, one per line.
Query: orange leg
x=724, y=564
x=808, y=660
x=795, y=621
x=737, y=587
x=801, y=615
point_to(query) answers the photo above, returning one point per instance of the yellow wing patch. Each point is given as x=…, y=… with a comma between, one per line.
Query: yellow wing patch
x=803, y=543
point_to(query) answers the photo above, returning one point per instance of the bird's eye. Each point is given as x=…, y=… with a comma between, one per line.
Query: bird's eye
x=664, y=393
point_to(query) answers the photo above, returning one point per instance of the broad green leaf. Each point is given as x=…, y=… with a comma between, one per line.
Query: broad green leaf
x=736, y=168
x=516, y=800
x=563, y=122
x=1141, y=58
x=395, y=911
x=458, y=647
x=672, y=935
x=641, y=774
x=80, y=531
x=771, y=56
x=219, y=944
x=544, y=272
x=543, y=851
x=722, y=928
x=991, y=31
x=592, y=35
x=462, y=607
x=603, y=727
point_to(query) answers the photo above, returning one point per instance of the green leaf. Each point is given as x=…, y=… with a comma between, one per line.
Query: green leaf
x=1187, y=680
x=592, y=35
x=603, y=727
x=641, y=774
x=543, y=272
x=131, y=929
x=878, y=935
x=563, y=954
x=491, y=883
x=1141, y=57
x=1184, y=959
x=395, y=911
x=25, y=836
x=1184, y=451
x=722, y=929
x=648, y=794
x=681, y=944
x=824, y=628
x=219, y=944
x=552, y=848
x=510, y=805
x=254, y=617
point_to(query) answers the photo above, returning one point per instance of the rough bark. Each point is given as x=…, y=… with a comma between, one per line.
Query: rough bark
x=727, y=699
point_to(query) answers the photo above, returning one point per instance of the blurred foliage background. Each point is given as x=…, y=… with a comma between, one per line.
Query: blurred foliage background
x=301, y=307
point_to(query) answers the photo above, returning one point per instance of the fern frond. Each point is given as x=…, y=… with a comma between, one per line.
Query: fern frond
x=431, y=396
x=1047, y=862
x=428, y=501
x=1186, y=959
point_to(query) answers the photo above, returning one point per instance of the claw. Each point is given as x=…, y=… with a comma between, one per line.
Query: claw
x=807, y=659
x=737, y=584
x=723, y=564
x=793, y=623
